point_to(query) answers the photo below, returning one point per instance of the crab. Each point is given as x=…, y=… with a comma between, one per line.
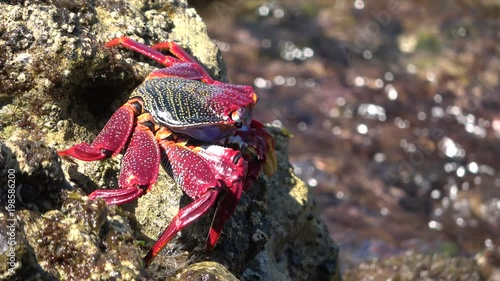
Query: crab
x=199, y=129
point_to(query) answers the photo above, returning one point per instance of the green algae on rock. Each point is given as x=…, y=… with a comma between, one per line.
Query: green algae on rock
x=59, y=233
x=83, y=240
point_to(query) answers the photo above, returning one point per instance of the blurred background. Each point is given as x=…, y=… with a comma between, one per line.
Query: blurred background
x=394, y=108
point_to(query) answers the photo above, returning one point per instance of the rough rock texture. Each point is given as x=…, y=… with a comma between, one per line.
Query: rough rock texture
x=209, y=271
x=416, y=267
x=298, y=247
x=58, y=86
x=60, y=234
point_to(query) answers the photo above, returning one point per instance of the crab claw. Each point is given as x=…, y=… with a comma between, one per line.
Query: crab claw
x=139, y=169
x=257, y=147
x=231, y=166
x=202, y=172
x=110, y=140
x=269, y=155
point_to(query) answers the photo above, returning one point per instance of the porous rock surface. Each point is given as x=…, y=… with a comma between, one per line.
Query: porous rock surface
x=58, y=86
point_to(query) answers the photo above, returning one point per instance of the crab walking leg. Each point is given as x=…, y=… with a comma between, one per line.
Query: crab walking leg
x=181, y=56
x=139, y=169
x=177, y=51
x=116, y=196
x=180, y=53
x=183, y=70
x=230, y=166
x=184, y=217
x=202, y=172
x=224, y=211
x=144, y=50
x=110, y=140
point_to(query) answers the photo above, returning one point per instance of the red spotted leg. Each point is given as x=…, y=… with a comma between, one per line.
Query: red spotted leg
x=185, y=66
x=143, y=49
x=180, y=53
x=191, y=69
x=224, y=211
x=230, y=165
x=202, y=172
x=141, y=161
x=140, y=165
x=182, y=57
x=110, y=140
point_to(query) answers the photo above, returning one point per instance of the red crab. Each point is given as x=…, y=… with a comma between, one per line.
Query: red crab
x=199, y=129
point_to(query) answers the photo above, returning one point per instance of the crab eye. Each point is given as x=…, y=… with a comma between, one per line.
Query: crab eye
x=236, y=158
x=239, y=115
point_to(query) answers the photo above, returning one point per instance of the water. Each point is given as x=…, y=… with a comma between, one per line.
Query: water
x=394, y=108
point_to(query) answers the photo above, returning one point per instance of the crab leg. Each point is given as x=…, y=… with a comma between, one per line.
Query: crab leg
x=224, y=211
x=139, y=169
x=202, y=172
x=184, y=70
x=110, y=140
x=116, y=196
x=180, y=53
x=177, y=51
x=144, y=50
x=259, y=152
x=184, y=217
x=230, y=167
x=151, y=52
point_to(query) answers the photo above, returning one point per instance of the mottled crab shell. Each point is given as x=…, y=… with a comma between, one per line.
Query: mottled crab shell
x=194, y=108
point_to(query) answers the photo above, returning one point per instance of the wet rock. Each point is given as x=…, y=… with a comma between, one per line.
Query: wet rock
x=83, y=241
x=52, y=233
x=412, y=266
x=18, y=259
x=31, y=172
x=209, y=271
x=58, y=86
x=274, y=233
x=298, y=247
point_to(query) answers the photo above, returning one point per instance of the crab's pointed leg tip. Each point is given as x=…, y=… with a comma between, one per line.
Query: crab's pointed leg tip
x=148, y=259
x=83, y=151
x=114, y=42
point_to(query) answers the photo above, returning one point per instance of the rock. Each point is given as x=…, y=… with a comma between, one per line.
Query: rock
x=414, y=266
x=52, y=233
x=58, y=86
x=209, y=271
x=298, y=247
